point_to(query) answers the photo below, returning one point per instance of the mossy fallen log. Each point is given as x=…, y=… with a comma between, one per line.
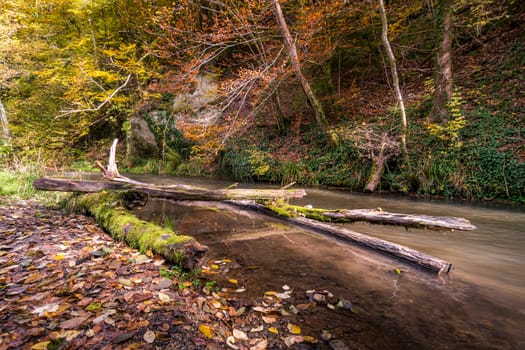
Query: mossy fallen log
x=108, y=209
x=375, y=216
x=395, y=250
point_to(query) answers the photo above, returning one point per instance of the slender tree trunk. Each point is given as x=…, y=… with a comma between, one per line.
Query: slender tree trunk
x=395, y=78
x=443, y=83
x=320, y=116
x=3, y=121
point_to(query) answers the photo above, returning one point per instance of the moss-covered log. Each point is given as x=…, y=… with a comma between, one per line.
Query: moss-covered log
x=108, y=209
x=376, y=216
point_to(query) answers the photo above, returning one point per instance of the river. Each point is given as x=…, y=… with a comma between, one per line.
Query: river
x=479, y=305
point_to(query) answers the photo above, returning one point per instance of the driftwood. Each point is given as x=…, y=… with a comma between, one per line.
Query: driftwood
x=177, y=192
x=409, y=220
x=398, y=251
x=377, y=216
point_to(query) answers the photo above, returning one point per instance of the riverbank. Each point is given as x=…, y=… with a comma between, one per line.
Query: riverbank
x=66, y=284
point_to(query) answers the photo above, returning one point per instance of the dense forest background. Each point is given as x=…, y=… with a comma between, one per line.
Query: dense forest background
x=427, y=99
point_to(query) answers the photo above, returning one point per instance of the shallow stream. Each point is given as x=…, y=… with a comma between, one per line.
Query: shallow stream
x=479, y=305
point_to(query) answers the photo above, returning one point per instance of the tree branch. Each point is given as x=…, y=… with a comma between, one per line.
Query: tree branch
x=108, y=99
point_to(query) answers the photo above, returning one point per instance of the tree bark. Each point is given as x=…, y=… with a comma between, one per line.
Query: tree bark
x=443, y=81
x=177, y=192
x=320, y=115
x=394, y=250
x=3, y=121
x=395, y=77
x=378, y=167
x=107, y=210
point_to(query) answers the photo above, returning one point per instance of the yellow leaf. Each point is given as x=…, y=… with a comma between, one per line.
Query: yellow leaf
x=309, y=339
x=273, y=330
x=233, y=281
x=294, y=329
x=206, y=331
x=270, y=292
x=59, y=256
x=33, y=278
x=41, y=346
x=214, y=266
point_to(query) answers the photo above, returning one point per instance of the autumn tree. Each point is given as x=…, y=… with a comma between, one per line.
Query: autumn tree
x=72, y=62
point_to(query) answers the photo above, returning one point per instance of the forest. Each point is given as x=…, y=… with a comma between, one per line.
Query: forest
x=419, y=97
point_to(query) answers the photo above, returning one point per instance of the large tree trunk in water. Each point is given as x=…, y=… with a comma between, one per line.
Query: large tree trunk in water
x=443, y=82
x=320, y=116
x=395, y=78
x=3, y=121
x=177, y=192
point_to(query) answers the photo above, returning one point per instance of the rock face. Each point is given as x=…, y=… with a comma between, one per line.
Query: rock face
x=195, y=107
x=142, y=140
x=199, y=106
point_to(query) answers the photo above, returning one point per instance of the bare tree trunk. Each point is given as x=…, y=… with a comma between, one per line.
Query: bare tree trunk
x=395, y=78
x=320, y=116
x=443, y=83
x=3, y=121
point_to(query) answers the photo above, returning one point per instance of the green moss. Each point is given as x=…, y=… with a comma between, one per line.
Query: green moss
x=291, y=211
x=107, y=210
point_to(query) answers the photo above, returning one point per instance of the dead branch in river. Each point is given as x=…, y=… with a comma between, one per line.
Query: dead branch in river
x=397, y=251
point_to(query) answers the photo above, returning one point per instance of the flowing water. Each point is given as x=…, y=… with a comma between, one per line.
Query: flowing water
x=479, y=305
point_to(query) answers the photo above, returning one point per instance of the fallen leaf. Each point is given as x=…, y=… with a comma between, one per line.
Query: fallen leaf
x=262, y=345
x=269, y=319
x=59, y=256
x=41, y=346
x=273, y=330
x=292, y=339
x=67, y=335
x=309, y=339
x=16, y=290
x=41, y=310
x=294, y=329
x=238, y=334
x=206, y=331
x=214, y=266
x=73, y=323
x=94, y=306
x=125, y=282
x=233, y=281
x=230, y=341
x=149, y=336
x=33, y=278
x=142, y=259
x=257, y=329
x=164, y=297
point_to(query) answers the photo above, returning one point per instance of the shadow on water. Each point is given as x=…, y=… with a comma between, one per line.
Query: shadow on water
x=410, y=310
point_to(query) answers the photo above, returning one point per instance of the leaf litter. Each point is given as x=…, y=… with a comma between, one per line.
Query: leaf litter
x=65, y=284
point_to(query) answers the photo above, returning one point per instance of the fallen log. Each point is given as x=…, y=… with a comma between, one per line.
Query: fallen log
x=108, y=210
x=409, y=220
x=377, y=216
x=425, y=261
x=176, y=192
